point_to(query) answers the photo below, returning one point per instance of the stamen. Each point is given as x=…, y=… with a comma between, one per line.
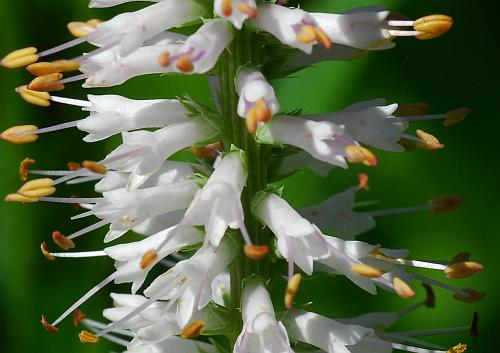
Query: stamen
x=432, y=26
x=184, y=64
x=47, y=83
x=208, y=151
x=41, y=99
x=363, y=182
x=81, y=29
x=20, y=58
x=402, y=288
x=74, y=78
x=226, y=8
x=430, y=300
x=64, y=46
x=322, y=38
x=74, y=166
x=247, y=9
x=72, y=175
x=93, y=324
x=193, y=329
x=358, y=154
x=37, y=188
x=70, y=101
x=46, y=68
x=62, y=241
x=462, y=269
x=19, y=198
x=399, y=23
x=456, y=116
x=77, y=200
x=459, y=348
x=434, y=332
x=45, y=323
x=20, y=134
x=24, y=168
x=255, y=252
x=292, y=289
x=78, y=316
x=251, y=121
x=46, y=252
x=306, y=34
x=89, y=228
x=263, y=113
x=366, y=270
x=407, y=348
x=88, y=337
x=445, y=204
x=148, y=259
x=471, y=295
x=94, y=167
x=428, y=141
x=164, y=59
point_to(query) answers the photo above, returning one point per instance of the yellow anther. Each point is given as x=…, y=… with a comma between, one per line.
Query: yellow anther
x=87, y=337
x=402, y=288
x=47, y=83
x=430, y=299
x=262, y=110
x=37, y=188
x=46, y=324
x=292, y=289
x=193, y=329
x=455, y=116
x=428, y=141
x=82, y=29
x=24, y=168
x=247, y=9
x=306, y=35
x=363, y=181
x=62, y=241
x=462, y=269
x=432, y=26
x=445, y=204
x=226, y=7
x=34, y=97
x=184, y=64
x=256, y=252
x=148, y=259
x=417, y=108
x=78, y=316
x=20, y=58
x=359, y=154
x=251, y=120
x=164, y=59
x=459, y=348
x=45, y=68
x=366, y=270
x=94, y=167
x=322, y=38
x=45, y=252
x=468, y=295
x=20, y=134
x=19, y=198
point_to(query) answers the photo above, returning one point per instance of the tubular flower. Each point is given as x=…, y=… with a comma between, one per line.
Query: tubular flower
x=206, y=192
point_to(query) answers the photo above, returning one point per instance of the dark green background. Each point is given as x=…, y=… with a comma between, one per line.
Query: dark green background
x=458, y=69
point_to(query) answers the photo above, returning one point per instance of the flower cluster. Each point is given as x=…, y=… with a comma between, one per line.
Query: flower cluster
x=216, y=222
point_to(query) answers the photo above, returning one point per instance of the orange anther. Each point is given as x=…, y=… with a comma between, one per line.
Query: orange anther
x=87, y=337
x=256, y=252
x=46, y=324
x=432, y=26
x=192, y=330
x=24, y=168
x=78, y=316
x=184, y=64
x=47, y=83
x=45, y=252
x=94, y=167
x=148, y=259
x=62, y=241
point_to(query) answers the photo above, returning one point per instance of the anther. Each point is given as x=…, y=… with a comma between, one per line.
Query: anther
x=78, y=316
x=94, y=167
x=37, y=188
x=455, y=116
x=184, y=64
x=432, y=26
x=292, y=289
x=19, y=198
x=47, y=83
x=263, y=113
x=306, y=34
x=428, y=141
x=445, y=204
x=251, y=121
x=462, y=269
x=226, y=8
x=82, y=29
x=192, y=330
x=410, y=109
x=87, y=337
x=20, y=134
x=366, y=270
x=45, y=252
x=62, y=241
x=24, y=168
x=256, y=252
x=74, y=166
x=208, y=151
x=358, y=154
x=363, y=182
x=459, y=348
x=468, y=295
x=46, y=324
x=20, y=58
x=402, y=288
x=46, y=68
x=430, y=298
x=41, y=99
x=322, y=38
x=148, y=259
x=164, y=59
x=247, y=9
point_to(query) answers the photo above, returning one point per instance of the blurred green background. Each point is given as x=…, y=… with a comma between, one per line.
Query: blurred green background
x=458, y=69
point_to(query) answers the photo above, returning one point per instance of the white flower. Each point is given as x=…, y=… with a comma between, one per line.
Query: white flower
x=189, y=283
x=143, y=152
x=322, y=140
x=293, y=27
x=111, y=114
x=329, y=335
x=172, y=344
x=299, y=241
x=201, y=50
x=128, y=256
x=256, y=95
x=124, y=209
x=261, y=331
x=370, y=123
x=236, y=11
x=130, y=30
x=109, y=3
x=158, y=223
x=335, y=215
x=301, y=160
x=218, y=205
